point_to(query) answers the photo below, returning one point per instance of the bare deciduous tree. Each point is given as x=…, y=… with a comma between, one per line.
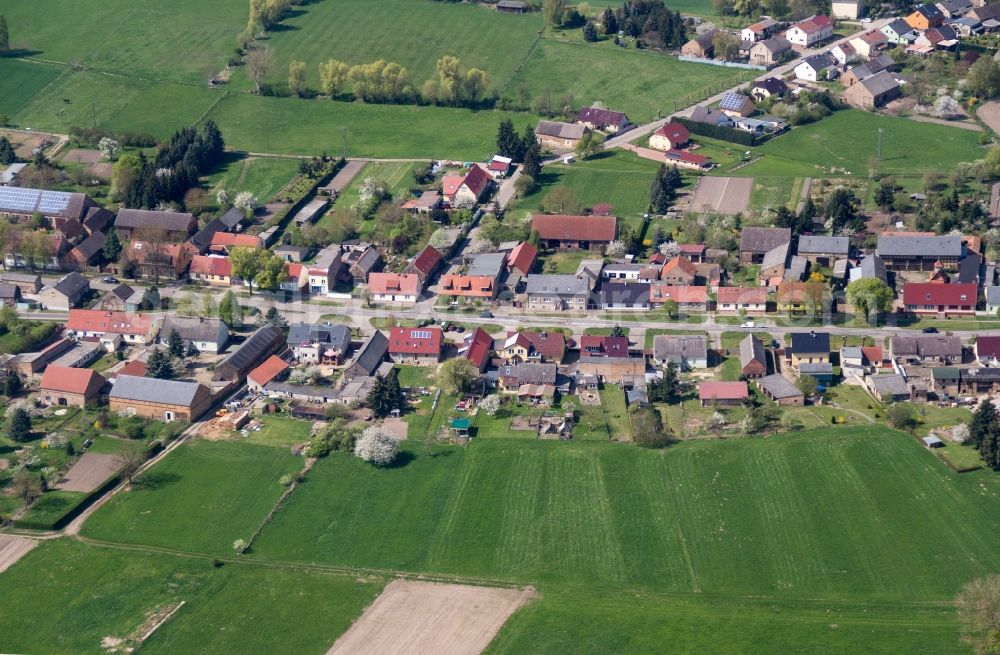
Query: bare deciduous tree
x=131, y=458
x=978, y=609
x=258, y=61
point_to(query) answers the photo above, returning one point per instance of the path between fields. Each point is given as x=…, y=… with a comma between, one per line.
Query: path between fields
x=962, y=125
x=806, y=186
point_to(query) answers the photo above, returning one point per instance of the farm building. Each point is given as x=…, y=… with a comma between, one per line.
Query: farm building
x=686, y=351
x=63, y=386
x=273, y=368
x=700, y=46
x=604, y=120
x=575, y=232
x=874, y=91
x=753, y=358
x=722, y=394
x=369, y=357
x=559, y=136
x=171, y=226
x=779, y=389
x=311, y=212
x=902, y=252
x=162, y=400
x=265, y=341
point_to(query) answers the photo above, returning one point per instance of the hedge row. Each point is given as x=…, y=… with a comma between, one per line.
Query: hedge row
x=730, y=134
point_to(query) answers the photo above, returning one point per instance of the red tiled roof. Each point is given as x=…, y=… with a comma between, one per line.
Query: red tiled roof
x=450, y=184
x=546, y=344
x=272, y=367
x=692, y=248
x=600, y=118
x=873, y=37
x=294, y=270
x=743, y=295
x=415, y=341
x=873, y=354
x=477, y=179
x=685, y=156
x=399, y=283
x=135, y=367
x=604, y=345
x=575, y=228
x=63, y=379
x=478, y=346
x=988, y=346
x=926, y=293
x=723, y=390
x=814, y=24
x=228, y=239
x=676, y=132
x=680, y=262
x=207, y=265
x=522, y=257
x=96, y=320
x=472, y=286
x=659, y=293
x=427, y=260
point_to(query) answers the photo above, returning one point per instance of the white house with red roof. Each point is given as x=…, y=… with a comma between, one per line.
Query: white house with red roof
x=420, y=345
x=940, y=299
x=522, y=258
x=809, y=32
x=107, y=326
x=670, y=137
x=394, y=287
x=604, y=120
x=466, y=190
x=499, y=167
x=298, y=277
x=211, y=269
x=476, y=347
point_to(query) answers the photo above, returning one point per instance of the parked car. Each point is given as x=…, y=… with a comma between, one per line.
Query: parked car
x=930, y=330
x=109, y=279
x=486, y=314
x=747, y=324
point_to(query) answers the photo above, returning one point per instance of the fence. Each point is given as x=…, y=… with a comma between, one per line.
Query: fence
x=724, y=64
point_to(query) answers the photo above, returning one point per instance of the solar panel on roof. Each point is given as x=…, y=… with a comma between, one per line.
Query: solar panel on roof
x=731, y=101
x=17, y=199
x=420, y=334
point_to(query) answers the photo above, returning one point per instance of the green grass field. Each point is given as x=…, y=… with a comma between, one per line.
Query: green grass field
x=412, y=33
x=619, y=178
x=200, y=499
x=847, y=140
x=126, y=37
x=640, y=83
x=262, y=176
x=20, y=80
x=65, y=597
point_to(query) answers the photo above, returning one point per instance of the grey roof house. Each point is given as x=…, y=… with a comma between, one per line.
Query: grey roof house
x=755, y=242
x=686, y=351
x=199, y=333
x=369, y=356
x=919, y=253
x=65, y=294
x=265, y=341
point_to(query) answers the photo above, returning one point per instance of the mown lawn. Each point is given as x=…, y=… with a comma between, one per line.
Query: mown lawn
x=846, y=140
x=262, y=176
x=621, y=179
x=642, y=83
x=819, y=513
x=202, y=497
x=65, y=597
x=20, y=80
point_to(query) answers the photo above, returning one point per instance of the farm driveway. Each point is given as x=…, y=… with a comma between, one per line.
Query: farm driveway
x=722, y=195
x=90, y=472
x=989, y=113
x=13, y=548
x=428, y=617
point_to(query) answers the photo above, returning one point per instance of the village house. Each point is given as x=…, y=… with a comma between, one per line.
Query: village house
x=700, y=46
x=816, y=67
x=531, y=346
x=358, y=265
x=688, y=298
x=176, y=227
x=987, y=351
x=559, y=136
x=624, y=295
x=779, y=389
x=481, y=287
x=873, y=92
x=992, y=293
x=902, y=252
x=271, y=369
x=67, y=293
x=926, y=349
x=862, y=71
x=954, y=8
x=557, y=292
x=574, y=232
x=394, y=287
x=158, y=260
x=824, y=251
x=986, y=14
x=869, y=44
x=521, y=259
x=415, y=345
x=514, y=377
x=688, y=159
x=604, y=346
x=625, y=272
x=110, y=327
x=770, y=52
x=162, y=400
x=368, y=357
x=671, y=136
x=476, y=347
x=466, y=190
x=323, y=272
x=62, y=386
x=759, y=31
x=604, y=120
x=809, y=348
x=755, y=242
x=737, y=105
x=205, y=335
x=211, y=269
x=722, y=394
x=847, y=9
x=297, y=278
x=900, y=32
x=924, y=17
x=845, y=54
x=711, y=116
x=940, y=299
x=425, y=265
x=261, y=344
x=686, y=351
x=753, y=358
x=679, y=271
x=319, y=343
x=771, y=86
x=809, y=32
x=749, y=301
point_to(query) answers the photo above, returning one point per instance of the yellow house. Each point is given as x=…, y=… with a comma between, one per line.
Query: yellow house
x=520, y=347
x=810, y=348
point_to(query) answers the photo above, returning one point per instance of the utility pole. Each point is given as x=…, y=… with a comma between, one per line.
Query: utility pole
x=93, y=113
x=878, y=148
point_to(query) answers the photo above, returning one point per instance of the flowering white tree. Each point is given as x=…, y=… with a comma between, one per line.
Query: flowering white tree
x=960, y=433
x=51, y=474
x=376, y=446
x=717, y=421
x=670, y=249
x=616, y=250
x=247, y=202
x=490, y=404
x=110, y=149
x=373, y=189
x=307, y=375
x=55, y=441
x=222, y=197
x=946, y=107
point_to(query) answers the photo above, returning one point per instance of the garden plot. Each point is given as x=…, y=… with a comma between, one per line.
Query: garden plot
x=90, y=472
x=13, y=548
x=722, y=195
x=428, y=617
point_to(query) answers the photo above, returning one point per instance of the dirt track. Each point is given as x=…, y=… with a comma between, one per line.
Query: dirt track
x=429, y=618
x=723, y=195
x=990, y=114
x=89, y=472
x=12, y=549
